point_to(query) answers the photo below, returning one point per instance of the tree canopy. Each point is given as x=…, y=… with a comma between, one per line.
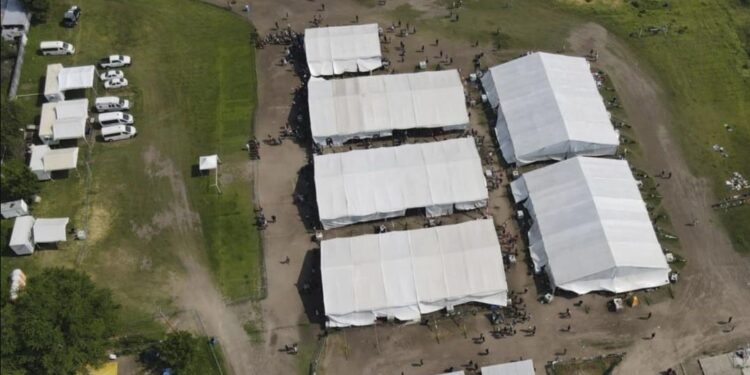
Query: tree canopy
x=60, y=323
x=17, y=181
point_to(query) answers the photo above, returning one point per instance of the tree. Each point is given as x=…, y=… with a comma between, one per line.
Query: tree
x=178, y=350
x=60, y=323
x=17, y=181
x=39, y=9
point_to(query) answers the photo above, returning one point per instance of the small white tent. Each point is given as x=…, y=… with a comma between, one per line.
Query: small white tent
x=342, y=49
x=591, y=230
x=379, y=183
x=548, y=107
x=21, y=239
x=511, y=368
x=63, y=120
x=375, y=106
x=50, y=230
x=404, y=274
x=60, y=79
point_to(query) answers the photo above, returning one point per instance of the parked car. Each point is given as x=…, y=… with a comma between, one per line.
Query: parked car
x=114, y=61
x=71, y=16
x=115, y=118
x=118, y=132
x=111, y=74
x=56, y=48
x=111, y=103
x=116, y=83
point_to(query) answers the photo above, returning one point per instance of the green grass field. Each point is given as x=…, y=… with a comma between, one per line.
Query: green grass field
x=193, y=88
x=702, y=63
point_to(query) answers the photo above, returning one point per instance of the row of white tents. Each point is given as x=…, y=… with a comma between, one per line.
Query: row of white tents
x=591, y=229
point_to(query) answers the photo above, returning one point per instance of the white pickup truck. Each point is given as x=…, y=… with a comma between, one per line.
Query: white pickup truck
x=115, y=61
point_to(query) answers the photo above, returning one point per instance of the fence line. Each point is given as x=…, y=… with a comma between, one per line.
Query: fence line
x=16, y=78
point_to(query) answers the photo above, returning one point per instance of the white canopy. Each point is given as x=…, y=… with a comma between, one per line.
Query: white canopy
x=45, y=160
x=591, y=230
x=208, y=162
x=21, y=241
x=373, y=184
x=50, y=230
x=512, y=368
x=405, y=274
x=343, y=49
x=374, y=106
x=59, y=80
x=548, y=107
x=63, y=120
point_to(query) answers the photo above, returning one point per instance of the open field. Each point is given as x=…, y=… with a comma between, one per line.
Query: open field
x=192, y=84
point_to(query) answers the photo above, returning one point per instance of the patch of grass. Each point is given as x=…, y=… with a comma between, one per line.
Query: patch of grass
x=405, y=13
x=208, y=359
x=254, y=331
x=193, y=87
x=598, y=366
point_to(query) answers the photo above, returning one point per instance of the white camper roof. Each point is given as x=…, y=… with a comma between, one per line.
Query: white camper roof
x=511, y=368
x=14, y=208
x=365, y=185
x=50, y=230
x=64, y=110
x=403, y=274
x=343, y=49
x=20, y=239
x=591, y=229
x=362, y=107
x=548, y=108
x=14, y=14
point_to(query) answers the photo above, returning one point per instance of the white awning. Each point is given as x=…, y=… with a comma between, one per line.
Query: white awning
x=591, y=230
x=70, y=128
x=548, y=107
x=374, y=106
x=404, y=274
x=342, y=49
x=79, y=77
x=373, y=184
x=512, y=368
x=44, y=159
x=50, y=230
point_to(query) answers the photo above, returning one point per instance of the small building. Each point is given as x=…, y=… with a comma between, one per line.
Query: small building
x=548, y=108
x=27, y=232
x=15, y=20
x=525, y=367
x=59, y=80
x=14, y=208
x=343, y=49
x=63, y=120
x=44, y=160
x=375, y=106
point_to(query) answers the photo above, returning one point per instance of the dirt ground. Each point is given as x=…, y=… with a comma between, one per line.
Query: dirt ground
x=714, y=284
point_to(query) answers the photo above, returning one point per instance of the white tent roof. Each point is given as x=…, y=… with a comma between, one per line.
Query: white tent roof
x=512, y=368
x=404, y=274
x=69, y=115
x=21, y=236
x=342, y=49
x=45, y=159
x=50, y=230
x=548, y=108
x=362, y=107
x=365, y=185
x=208, y=162
x=591, y=228
x=79, y=77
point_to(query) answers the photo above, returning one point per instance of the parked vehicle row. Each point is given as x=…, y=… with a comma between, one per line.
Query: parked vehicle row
x=116, y=124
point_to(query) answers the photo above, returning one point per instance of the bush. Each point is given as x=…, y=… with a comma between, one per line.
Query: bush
x=11, y=139
x=17, y=181
x=39, y=9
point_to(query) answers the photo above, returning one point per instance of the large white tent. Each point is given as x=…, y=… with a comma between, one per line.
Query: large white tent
x=28, y=231
x=591, y=230
x=63, y=120
x=548, y=107
x=373, y=184
x=50, y=230
x=404, y=274
x=343, y=49
x=44, y=160
x=511, y=368
x=374, y=106
x=60, y=79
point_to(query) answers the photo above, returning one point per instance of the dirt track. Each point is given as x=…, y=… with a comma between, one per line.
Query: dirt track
x=714, y=284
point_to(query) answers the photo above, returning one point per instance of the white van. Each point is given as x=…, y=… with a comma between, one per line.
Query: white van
x=56, y=48
x=111, y=103
x=115, y=118
x=118, y=132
